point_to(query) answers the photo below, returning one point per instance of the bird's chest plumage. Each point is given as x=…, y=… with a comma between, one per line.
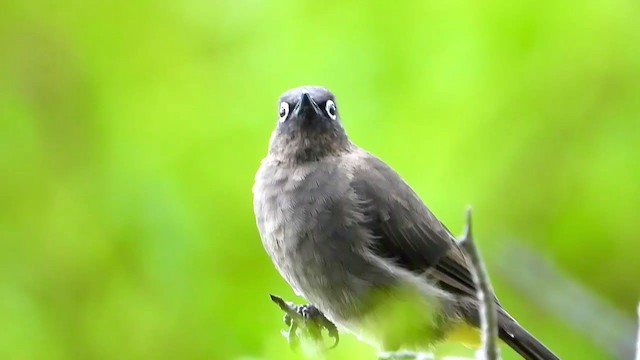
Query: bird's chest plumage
x=308, y=218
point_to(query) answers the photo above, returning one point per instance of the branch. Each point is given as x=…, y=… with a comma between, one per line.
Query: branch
x=405, y=355
x=638, y=341
x=487, y=308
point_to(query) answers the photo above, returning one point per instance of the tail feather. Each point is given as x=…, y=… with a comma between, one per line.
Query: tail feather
x=525, y=344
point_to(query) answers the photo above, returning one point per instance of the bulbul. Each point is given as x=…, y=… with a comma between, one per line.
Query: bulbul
x=352, y=237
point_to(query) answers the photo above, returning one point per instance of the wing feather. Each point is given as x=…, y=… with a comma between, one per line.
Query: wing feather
x=404, y=229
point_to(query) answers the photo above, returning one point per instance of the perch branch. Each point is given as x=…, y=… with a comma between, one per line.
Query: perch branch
x=405, y=355
x=487, y=309
x=638, y=340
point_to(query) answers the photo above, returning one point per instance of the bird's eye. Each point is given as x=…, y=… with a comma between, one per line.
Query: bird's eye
x=284, y=111
x=330, y=107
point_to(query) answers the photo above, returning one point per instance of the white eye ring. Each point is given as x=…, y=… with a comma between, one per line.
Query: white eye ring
x=284, y=111
x=330, y=108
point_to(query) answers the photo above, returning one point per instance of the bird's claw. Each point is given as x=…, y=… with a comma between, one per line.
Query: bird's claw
x=305, y=317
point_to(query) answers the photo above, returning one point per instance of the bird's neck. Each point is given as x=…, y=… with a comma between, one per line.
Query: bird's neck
x=300, y=148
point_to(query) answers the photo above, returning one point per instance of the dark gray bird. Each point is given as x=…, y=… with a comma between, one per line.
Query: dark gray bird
x=348, y=234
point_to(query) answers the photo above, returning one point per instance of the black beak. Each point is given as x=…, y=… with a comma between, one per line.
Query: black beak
x=306, y=107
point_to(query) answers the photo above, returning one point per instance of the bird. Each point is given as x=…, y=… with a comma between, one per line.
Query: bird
x=355, y=240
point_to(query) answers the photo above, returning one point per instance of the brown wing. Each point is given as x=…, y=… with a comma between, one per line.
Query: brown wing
x=404, y=229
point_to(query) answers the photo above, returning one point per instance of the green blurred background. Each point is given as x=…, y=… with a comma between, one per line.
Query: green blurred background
x=130, y=132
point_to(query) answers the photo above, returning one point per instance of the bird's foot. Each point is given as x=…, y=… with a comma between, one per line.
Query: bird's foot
x=306, y=318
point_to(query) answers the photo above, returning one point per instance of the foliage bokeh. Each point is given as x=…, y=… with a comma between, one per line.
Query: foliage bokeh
x=130, y=132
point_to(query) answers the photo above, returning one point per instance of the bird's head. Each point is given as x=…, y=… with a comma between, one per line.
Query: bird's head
x=308, y=127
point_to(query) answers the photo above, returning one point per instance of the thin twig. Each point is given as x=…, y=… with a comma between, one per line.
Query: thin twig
x=487, y=308
x=638, y=341
x=405, y=355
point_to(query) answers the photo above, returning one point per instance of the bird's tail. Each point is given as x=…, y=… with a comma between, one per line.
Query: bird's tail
x=519, y=339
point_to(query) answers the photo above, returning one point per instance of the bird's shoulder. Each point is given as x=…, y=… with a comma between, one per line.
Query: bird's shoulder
x=402, y=225
x=374, y=180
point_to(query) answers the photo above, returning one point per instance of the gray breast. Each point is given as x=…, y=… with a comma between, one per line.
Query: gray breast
x=309, y=220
